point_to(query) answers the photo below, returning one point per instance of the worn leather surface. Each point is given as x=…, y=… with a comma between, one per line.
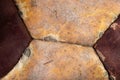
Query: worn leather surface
x=66, y=22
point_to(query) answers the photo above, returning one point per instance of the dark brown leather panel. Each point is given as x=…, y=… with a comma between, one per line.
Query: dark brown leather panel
x=14, y=37
x=109, y=47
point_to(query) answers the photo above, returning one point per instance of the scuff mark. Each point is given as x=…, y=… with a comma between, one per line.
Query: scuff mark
x=48, y=62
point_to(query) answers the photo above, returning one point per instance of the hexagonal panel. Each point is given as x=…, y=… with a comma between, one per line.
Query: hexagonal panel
x=71, y=21
x=58, y=61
